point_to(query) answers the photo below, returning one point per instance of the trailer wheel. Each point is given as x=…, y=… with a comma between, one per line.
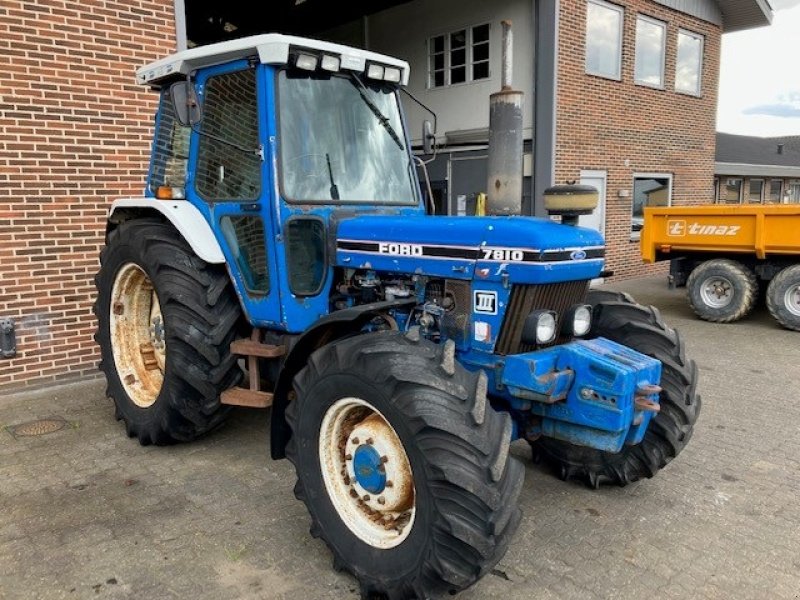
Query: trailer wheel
x=165, y=323
x=402, y=464
x=722, y=290
x=617, y=317
x=783, y=297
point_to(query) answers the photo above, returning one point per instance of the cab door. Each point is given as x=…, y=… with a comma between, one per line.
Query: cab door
x=232, y=180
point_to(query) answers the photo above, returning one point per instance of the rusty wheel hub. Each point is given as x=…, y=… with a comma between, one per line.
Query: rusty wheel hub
x=137, y=335
x=367, y=473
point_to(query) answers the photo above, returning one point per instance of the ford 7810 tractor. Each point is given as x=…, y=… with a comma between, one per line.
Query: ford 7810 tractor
x=282, y=256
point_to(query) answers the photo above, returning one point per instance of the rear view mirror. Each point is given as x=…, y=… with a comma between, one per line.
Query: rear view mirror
x=428, y=137
x=184, y=101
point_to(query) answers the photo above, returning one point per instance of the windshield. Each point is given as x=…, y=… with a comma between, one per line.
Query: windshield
x=334, y=147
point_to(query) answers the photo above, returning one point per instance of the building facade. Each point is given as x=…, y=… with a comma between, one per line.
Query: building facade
x=619, y=95
x=754, y=170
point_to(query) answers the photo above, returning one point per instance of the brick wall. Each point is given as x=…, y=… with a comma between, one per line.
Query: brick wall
x=74, y=135
x=624, y=128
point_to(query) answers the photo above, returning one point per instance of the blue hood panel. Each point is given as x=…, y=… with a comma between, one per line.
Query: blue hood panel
x=523, y=249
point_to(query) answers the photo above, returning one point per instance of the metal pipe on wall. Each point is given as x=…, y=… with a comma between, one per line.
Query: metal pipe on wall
x=504, y=163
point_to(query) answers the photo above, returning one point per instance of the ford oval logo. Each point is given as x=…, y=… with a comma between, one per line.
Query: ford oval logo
x=577, y=254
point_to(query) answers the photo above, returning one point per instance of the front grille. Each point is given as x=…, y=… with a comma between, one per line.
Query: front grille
x=527, y=298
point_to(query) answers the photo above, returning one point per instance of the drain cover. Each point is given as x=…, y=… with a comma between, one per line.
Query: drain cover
x=38, y=427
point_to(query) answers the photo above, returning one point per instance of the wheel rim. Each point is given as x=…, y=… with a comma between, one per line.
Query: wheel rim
x=367, y=473
x=791, y=299
x=137, y=335
x=717, y=292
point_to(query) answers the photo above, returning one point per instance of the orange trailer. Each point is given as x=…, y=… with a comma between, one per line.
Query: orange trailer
x=723, y=254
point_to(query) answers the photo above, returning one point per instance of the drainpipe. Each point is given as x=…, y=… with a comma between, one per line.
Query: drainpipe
x=504, y=181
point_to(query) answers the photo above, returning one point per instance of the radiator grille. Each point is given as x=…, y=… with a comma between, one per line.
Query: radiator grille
x=527, y=298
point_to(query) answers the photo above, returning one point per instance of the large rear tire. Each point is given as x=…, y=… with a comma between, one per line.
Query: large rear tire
x=783, y=297
x=722, y=290
x=166, y=320
x=451, y=510
x=617, y=317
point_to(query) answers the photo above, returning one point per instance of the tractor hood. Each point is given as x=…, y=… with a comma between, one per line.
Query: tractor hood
x=515, y=249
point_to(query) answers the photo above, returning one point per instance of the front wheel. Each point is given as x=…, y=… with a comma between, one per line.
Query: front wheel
x=617, y=317
x=783, y=297
x=403, y=465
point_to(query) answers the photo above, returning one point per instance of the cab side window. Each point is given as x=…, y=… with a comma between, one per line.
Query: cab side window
x=170, y=148
x=230, y=113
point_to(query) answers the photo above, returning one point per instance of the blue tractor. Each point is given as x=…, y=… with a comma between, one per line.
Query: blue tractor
x=282, y=256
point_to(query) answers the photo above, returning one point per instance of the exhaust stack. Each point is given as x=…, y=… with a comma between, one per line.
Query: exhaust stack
x=504, y=182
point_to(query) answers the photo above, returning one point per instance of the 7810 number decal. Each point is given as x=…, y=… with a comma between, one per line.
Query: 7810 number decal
x=503, y=254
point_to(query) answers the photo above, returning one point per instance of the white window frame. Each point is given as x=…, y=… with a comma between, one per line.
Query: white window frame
x=702, y=38
x=621, y=11
x=723, y=183
x=468, y=57
x=768, y=195
x=635, y=235
x=750, y=190
x=647, y=19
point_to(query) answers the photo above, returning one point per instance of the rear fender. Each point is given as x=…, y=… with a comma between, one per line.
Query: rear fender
x=329, y=328
x=187, y=219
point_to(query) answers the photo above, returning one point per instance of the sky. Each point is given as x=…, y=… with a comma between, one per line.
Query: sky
x=759, y=91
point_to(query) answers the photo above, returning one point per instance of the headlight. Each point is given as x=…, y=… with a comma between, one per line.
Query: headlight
x=375, y=71
x=392, y=74
x=577, y=320
x=539, y=327
x=330, y=63
x=307, y=62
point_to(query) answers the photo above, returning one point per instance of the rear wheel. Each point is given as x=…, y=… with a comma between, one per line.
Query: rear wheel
x=783, y=297
x=617, y=317
x=165, y=323
x=403, y=465
x=722, y=290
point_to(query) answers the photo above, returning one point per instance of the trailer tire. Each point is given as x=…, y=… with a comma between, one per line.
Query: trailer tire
x=617, y=317
x=722, y=290
x=173, y=397
x=783, y=297
x=430, y=412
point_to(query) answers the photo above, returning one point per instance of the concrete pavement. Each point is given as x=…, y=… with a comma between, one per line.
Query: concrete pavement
x=86, y=512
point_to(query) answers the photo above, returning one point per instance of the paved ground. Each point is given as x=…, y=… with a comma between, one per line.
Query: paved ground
x=88, y=513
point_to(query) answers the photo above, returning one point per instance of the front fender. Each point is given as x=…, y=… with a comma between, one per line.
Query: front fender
x=331, y=327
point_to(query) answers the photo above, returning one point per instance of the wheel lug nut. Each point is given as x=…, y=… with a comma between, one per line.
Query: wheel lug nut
x=366, y=498
x=384, y=459
x=381, y=500
x=353, y=493
x=348, y=457
x=130, y=379
x=355, y=440
x=346, y=480
x=370, y=441
x=389, y=483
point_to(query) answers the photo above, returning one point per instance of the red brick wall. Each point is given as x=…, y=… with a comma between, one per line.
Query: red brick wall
x=74, y=135
x=624, y=128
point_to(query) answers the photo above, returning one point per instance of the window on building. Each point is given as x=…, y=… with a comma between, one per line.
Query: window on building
x=756, y=191
x=792, y=193
x=775, y=190
x=648, y=190
x=651, y=36
x=731, y=190
x=459, y=56
x=689, y=63
x=230, y=112
x=604, y=23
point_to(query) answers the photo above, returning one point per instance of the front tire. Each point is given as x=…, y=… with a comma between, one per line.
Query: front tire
x=166, y=320
x=617, y=317
x=722, y=290
x=452, y=508
x=783, y=297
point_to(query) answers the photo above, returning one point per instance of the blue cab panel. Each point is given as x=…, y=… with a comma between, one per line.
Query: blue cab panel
x=585, y=392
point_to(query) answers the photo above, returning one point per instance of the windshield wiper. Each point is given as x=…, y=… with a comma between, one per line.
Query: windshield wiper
x=334, y=188
x=382, y=119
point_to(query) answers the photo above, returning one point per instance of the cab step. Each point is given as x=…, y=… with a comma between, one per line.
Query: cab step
x=253, y=349
x=239, y=396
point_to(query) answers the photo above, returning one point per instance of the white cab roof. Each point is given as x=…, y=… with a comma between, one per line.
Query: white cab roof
x=271, y=48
